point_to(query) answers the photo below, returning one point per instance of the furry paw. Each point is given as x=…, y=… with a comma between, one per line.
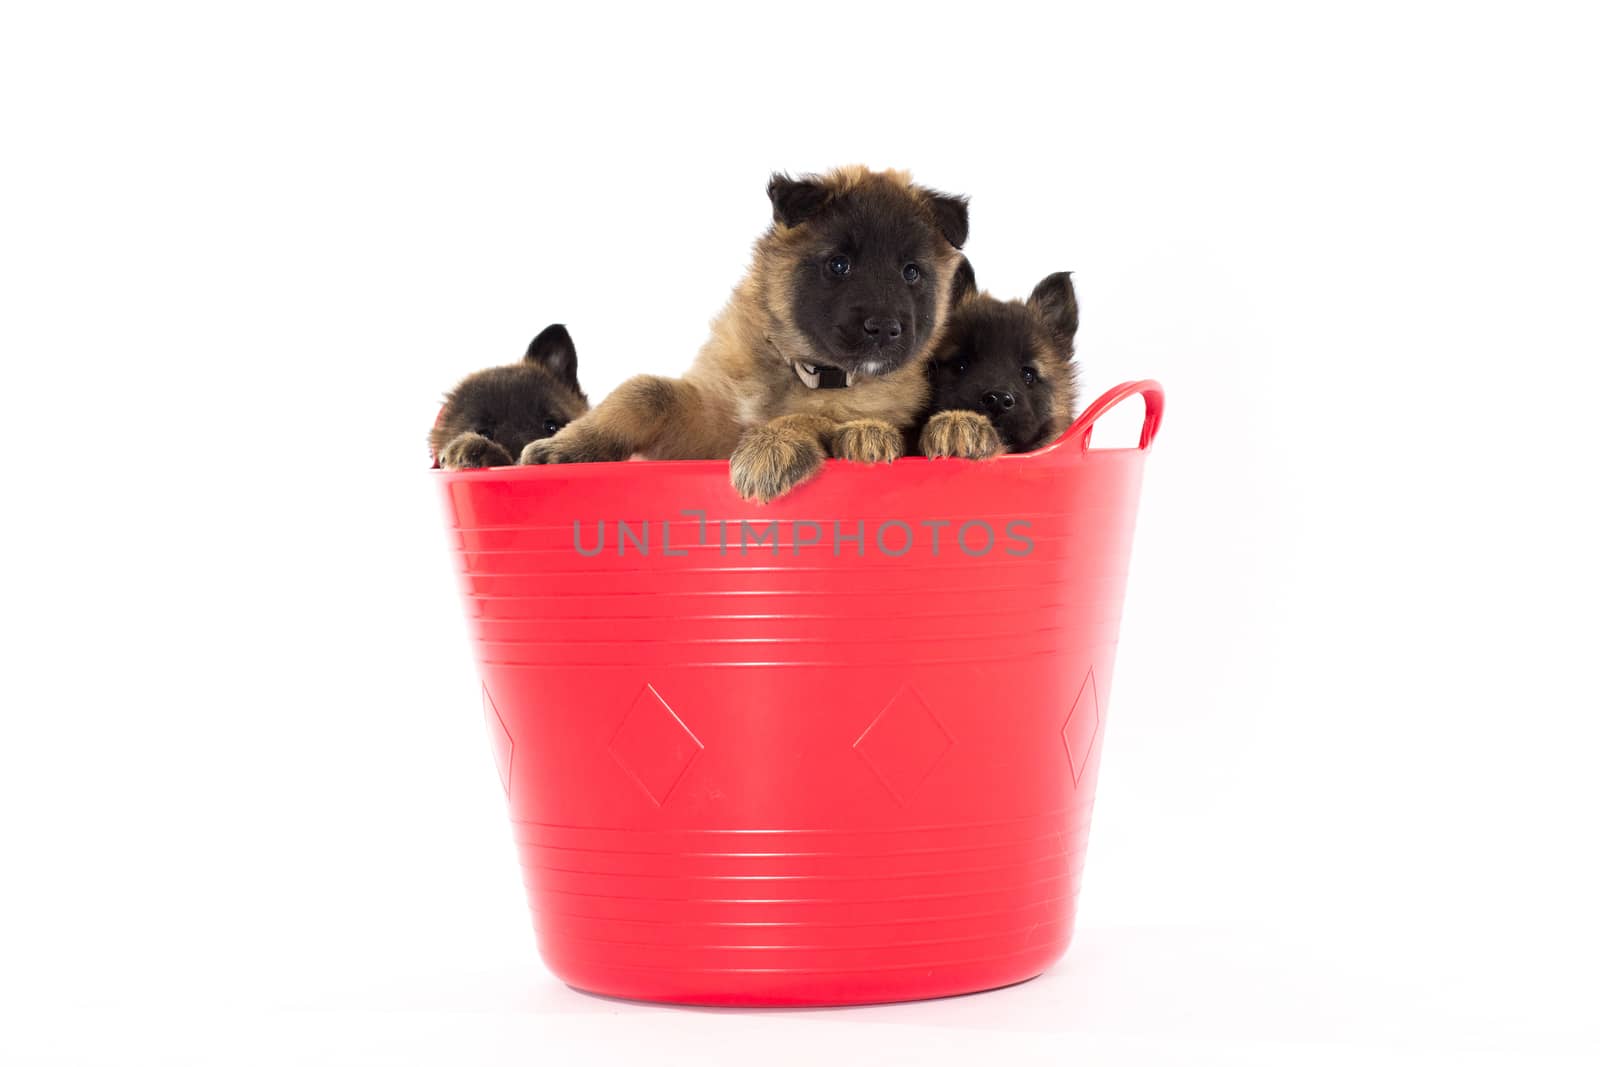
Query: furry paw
x=770, y=461
x=962, y=435
x=575, y=444
x=469, y=450
x=868, y=441
x=540, y=451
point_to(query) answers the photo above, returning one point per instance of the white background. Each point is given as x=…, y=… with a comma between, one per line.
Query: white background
x=247, y=813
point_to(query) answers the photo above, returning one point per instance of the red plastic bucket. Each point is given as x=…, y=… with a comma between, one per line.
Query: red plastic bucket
x=838, y=749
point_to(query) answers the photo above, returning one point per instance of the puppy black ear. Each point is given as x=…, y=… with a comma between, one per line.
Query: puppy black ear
x=794, y=201
x=554, y=351
x=950, y=215
x=964, y=283
x=1055, y=302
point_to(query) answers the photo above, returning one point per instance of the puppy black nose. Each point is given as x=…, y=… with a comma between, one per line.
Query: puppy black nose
x=881, y=330
x=998, y=402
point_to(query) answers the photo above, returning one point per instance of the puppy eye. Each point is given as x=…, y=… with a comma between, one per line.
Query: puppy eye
x=484, y=431
x=551, y=426
x=840, y=265
x=961, y=365
x=1029, y=376
x=911, y=273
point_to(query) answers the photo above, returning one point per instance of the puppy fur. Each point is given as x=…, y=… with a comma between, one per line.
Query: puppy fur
x=819, y=352
x=1002, y=375
x=494, y=414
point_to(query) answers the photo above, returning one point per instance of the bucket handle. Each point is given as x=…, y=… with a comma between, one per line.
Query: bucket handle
x=1154, y=403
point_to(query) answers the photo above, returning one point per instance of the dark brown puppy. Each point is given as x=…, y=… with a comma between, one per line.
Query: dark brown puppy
x=492, y=415
x=819, y=352
x=1002, y=377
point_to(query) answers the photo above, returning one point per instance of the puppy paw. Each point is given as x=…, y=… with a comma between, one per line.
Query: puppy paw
x=868, y=441
x=961, y=435
x=537, y=452
x=468, y=450
x=575, y=444
x=770, y=461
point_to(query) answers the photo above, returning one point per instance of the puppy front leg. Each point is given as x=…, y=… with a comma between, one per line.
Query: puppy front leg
x=772, y=459
x=646, y=414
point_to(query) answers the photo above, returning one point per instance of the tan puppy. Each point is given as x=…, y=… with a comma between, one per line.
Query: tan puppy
x=820, y=352
x=1003, y=375
x=491, y=416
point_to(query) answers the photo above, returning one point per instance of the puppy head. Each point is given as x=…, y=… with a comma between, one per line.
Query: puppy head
x=1011, y=360
x=858, y=268
x=520, y=403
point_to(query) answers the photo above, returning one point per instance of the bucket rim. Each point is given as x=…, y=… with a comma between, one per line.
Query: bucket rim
x=1074, y=441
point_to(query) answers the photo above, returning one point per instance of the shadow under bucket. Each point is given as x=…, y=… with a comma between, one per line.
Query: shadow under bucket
x=837, y=749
